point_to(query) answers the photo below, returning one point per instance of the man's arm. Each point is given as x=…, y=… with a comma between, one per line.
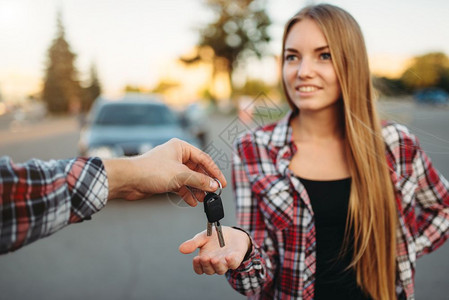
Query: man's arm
x=38, y=198
x=175, y=166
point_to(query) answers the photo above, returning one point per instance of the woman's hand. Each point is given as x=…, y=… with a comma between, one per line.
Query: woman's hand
x=211, y=258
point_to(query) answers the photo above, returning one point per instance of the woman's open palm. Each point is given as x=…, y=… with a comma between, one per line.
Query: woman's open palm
x=212, y=259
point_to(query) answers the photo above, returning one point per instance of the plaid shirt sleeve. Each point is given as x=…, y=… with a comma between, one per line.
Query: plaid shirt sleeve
x=257, y=271
x=39, y=198
x=432, y=200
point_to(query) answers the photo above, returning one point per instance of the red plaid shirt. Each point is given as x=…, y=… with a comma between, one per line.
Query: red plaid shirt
x=38, y=198
x=274, y=208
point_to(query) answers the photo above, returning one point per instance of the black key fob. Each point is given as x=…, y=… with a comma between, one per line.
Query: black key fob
x=213, y=207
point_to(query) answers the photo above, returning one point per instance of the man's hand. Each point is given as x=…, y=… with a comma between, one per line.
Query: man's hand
x=211, y=258
x=172, y=167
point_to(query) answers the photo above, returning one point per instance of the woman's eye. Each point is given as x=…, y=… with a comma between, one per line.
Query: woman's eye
x=290, y=57
x=325, y=56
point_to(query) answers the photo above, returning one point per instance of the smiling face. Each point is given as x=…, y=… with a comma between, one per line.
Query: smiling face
x=308, y=73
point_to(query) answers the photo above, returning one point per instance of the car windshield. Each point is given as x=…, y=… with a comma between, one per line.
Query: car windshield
x=135, y=115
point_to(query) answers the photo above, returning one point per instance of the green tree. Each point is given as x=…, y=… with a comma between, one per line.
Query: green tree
x=238, y=30
x=62, y=91
x=429, y=70
x=389, y=86
x=92, y=90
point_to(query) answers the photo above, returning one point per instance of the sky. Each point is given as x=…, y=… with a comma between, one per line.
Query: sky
x=130, y=41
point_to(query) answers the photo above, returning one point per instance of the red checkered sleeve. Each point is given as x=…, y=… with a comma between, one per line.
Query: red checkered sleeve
x=432, y=201
x=38, y=198
x=256, y=273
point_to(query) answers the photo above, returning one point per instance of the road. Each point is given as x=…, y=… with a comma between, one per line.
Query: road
x=130, y=250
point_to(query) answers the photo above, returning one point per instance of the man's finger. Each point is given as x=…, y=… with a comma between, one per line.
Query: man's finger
x=198, y=195
x=199, y=181
x=199, y=157
x=191, y=245
x=187, y=196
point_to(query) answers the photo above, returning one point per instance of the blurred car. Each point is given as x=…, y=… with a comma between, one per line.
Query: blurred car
x=194, y=118
x=432, y=96
x=130, y=126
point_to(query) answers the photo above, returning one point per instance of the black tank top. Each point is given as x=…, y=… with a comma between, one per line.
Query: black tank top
x=330, y=201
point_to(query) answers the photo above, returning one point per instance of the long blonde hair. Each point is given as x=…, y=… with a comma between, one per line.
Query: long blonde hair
x=372, y=210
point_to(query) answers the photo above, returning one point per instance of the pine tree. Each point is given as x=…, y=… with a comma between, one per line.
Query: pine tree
x=62, y=91
x=92, y=90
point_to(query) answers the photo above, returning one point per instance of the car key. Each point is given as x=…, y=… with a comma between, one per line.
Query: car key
x=209, y=228
x=213, y=207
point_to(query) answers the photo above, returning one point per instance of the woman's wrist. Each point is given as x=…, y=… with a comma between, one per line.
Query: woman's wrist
x=250, y=243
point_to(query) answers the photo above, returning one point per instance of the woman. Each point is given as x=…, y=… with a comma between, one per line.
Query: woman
x=335, y=205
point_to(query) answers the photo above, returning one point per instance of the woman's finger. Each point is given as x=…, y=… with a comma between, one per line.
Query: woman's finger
x=196, y=242
x=232, y=262
x=206, y=265
x=197, y=265
x=219, y=265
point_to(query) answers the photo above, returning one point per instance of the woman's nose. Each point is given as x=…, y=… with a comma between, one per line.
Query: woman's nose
x=305, y=68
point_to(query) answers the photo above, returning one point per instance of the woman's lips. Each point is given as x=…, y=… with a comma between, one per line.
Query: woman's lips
x=305, y=90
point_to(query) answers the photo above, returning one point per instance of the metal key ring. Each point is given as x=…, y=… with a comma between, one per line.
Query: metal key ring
x=220, y=186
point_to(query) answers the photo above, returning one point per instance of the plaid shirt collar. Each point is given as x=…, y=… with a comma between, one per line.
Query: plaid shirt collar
x=281, y=143
x=282, y=133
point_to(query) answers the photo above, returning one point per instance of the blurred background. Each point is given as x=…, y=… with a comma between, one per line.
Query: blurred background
x=82, y=77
